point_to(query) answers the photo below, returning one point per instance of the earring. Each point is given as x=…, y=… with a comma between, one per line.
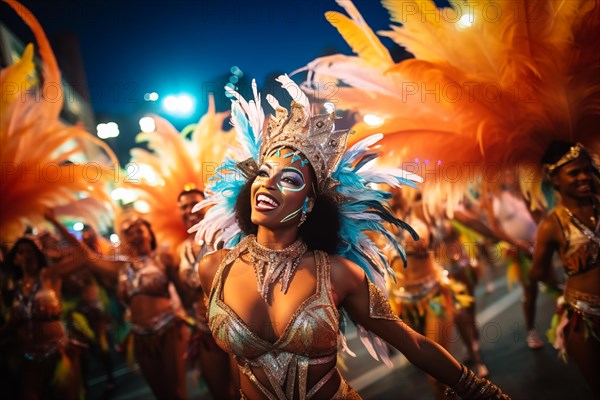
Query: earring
x=302, y=218
x=304, y=212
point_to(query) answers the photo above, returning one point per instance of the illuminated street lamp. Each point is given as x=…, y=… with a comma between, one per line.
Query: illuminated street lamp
x=147, y=124
x=151, y=96
x=107, y=130
x=182, y=104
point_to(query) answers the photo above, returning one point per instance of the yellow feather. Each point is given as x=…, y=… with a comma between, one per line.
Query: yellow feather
x=17, y=77
x=362, y=40
x=512, y=274
x=63, y=371
x=492, y=83
x=36, y=147
x=82, y=325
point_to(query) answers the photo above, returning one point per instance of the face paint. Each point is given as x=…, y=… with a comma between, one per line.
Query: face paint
x=295, y=157
x=304, y=208
x=281, y=189
x=292, y=180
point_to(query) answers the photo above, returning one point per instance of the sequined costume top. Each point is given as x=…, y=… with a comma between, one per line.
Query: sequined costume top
x=40, y=305
x=581, y=251
x=147, y=276
x=144, y=276
x=37, y=315
x=309, y=338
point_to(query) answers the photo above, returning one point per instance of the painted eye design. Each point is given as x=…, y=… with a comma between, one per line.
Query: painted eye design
x=292, y=179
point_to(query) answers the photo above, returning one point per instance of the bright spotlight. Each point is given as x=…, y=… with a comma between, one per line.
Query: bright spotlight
x=373, y=120
x=114, y=238
x=185, y=104
x=465, y=21
x=182, y=104
x=170, y=103
x=153, y=96
x=100, y=131
x=78, y=226
x=113, y=129
x=147, y=124
x=107, y=130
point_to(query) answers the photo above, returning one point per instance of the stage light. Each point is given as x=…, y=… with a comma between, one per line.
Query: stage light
x=147, y=124
x=107, y=130
x=181, y=105
x=466, y=21
x=373, y=120
x=170, y=103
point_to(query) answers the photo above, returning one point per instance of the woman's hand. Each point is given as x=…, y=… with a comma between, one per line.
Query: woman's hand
x=50, y=215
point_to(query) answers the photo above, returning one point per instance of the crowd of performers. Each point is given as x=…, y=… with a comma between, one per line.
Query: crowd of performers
x=300, y=223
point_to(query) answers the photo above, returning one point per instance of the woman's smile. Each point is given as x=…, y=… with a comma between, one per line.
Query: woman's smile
x=265, y=202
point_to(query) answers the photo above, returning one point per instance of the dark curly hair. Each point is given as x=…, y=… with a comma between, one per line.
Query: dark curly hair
x=556, y=150
x=11, y=266
x=153, y=243
x=320, y=231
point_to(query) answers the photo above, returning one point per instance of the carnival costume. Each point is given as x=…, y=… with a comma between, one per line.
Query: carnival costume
x=50, y=355
x=36, y=149
x=146, y=277
x=183, y=163
x=580, y=253
x=311, y=336
x=157, y=333
x=416, y=293
x=481, y=94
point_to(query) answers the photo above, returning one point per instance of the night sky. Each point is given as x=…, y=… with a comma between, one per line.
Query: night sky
x=179, y=45
x=130, y=48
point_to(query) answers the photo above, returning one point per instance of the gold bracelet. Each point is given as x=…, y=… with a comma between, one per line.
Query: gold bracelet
x=470, y=387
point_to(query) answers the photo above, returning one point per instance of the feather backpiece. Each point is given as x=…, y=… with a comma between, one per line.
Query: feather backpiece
x=36, y=147
x=177, y=163
x=491, y=84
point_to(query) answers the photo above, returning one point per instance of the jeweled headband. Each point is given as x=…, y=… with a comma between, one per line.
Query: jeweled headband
x=571, y=155
x=313, y=136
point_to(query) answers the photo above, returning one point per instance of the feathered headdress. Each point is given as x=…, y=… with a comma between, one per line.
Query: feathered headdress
x=485, y=91
x=36, y=146
x=348, y=173
x=178, y=164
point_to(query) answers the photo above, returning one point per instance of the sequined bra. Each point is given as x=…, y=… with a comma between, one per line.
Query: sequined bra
x=309, y=338
x=144, y=276
x=39, y=305
x=581, y=251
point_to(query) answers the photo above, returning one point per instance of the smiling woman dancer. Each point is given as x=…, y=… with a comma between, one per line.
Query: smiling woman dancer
x=295, y=255
x=573, y=230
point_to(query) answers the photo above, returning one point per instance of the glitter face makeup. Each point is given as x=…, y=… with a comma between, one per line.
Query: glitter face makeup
x=281, y=190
